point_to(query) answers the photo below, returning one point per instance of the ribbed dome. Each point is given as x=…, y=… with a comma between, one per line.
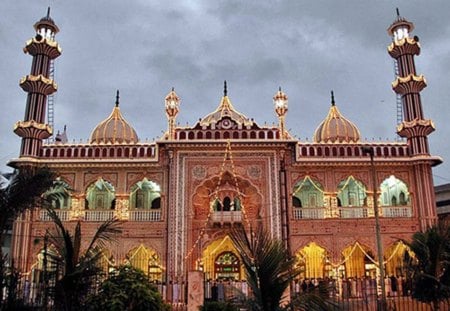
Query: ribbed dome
x=114, y=129
x=336, y=129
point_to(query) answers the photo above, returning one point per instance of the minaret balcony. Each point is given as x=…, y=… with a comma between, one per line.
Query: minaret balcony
x=410, y=84
x=403, y=47
x=32, y=129
x=38, y=84
x=44, y=46
x=415, y=128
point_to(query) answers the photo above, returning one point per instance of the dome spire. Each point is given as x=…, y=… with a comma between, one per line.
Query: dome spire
x=117, y=98
x=225, y=92
x=333, y=103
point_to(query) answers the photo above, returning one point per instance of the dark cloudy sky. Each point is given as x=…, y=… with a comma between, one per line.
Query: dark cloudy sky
x=145, y=47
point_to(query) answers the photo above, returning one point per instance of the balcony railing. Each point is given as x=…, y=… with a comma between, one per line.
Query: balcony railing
x=396, y=211
x=351, y=212
x=63, y=214
x=101, y=215
x=145, y=215
x=226, y=216
x=309, y=213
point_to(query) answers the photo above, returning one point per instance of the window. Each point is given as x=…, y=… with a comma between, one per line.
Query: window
x=100, y=195
x=394, y=192
x=309, y=192
x=145, y=194
x=351, y=192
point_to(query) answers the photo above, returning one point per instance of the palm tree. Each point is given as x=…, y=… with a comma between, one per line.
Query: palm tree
x=20, y=191
x=268, y=266
x=78, y=269
x=429, y=269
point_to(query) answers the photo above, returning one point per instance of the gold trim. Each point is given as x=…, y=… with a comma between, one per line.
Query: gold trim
x=402, y=42
x=409, y=78
x=41, y=78
x=49, y=42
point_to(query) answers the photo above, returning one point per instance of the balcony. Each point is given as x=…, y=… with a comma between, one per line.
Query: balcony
x=226, y=216
x=396, y=211
x=309, y=213
x=351, y=212
x=145, y=215
x=101, y=215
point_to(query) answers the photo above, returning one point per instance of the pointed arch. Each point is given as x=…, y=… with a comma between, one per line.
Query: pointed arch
x=309, y=192
x=394, y=192
x=351, y=192
x=100, y=195
x=145, y=194
x=314, y=260
x=147, y=260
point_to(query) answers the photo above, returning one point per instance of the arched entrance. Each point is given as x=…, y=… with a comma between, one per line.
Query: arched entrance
x=227, y=266
x=146, y=260
x=220, y=260
x=314, y=261
x=358, y=262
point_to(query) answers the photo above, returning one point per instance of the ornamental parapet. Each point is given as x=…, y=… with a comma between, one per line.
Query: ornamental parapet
x=38, y=84
x=409, y=84
x=415, y=128
x=44, y=46
x=32, y=129
x=105, y=151
x=340, y=150
x=404, y=46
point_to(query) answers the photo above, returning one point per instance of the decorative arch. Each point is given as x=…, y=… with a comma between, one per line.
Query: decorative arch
x=60, y=203
x=394, y=258
x=307, y=193
x=147, y=260
x=145, y=194
x=100, y=195
x=358, y=261
x=314, y=261
x=351, y=192
x=220, y=260
x=394, y=192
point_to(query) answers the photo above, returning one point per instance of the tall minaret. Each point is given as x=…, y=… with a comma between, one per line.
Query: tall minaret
x=409, y=85
x=414, y=127
x=38, y=85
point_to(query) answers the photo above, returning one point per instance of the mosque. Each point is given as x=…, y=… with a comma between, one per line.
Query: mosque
x=179, y=196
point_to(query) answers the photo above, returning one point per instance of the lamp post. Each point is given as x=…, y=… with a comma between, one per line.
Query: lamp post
x=370, y=151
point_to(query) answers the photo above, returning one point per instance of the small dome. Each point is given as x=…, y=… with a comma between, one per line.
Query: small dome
x=335, y=128
x=114, y=129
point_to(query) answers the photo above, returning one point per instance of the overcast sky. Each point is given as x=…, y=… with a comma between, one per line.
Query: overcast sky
x=144, y=48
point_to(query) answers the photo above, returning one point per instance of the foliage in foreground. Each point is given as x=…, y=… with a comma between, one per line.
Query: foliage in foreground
x=268, y=267
x=429, y=269
x=128, y=289
x=79, y=268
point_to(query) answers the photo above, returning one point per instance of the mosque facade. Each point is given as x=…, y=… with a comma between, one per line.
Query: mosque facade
x=179, y=196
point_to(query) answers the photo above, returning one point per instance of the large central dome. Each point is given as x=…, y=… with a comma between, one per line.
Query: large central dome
x=114, y=129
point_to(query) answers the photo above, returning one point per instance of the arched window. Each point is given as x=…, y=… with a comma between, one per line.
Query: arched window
x=217, y=206
x=394, y=192
x=226, y=204
x=237, y=204
x=100, y=195
x=296, y=202
x=309, y=193
x=145, y=194
x=351, y=192
x=59, y=202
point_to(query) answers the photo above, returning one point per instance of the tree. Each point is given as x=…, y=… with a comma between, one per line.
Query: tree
x=128, y=289
x=429, y=268
x=20, y=191
x=79, y=269
x=268, y=267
